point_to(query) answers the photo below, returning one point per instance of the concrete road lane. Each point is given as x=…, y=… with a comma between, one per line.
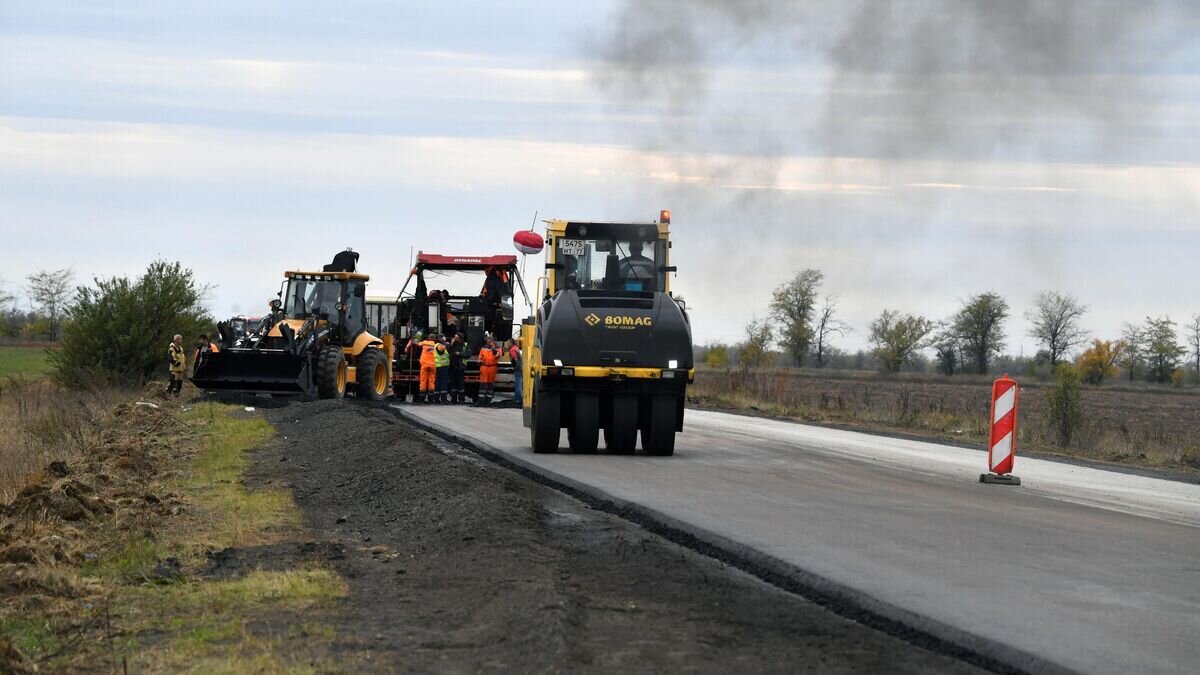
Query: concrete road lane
x=1091, y=570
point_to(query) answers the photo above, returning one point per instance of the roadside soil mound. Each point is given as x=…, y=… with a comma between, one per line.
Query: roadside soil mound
x=60, y=517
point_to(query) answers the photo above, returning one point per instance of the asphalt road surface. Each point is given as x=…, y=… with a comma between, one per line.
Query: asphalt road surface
x=1078, y=568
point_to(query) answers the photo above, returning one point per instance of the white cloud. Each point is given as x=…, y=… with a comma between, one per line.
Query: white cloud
x=157, y=151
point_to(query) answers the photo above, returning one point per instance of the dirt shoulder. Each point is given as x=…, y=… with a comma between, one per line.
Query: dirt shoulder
x=455, y=564
x=111, y=560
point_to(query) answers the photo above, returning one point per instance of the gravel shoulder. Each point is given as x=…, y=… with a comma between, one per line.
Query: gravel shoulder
x=455, y=564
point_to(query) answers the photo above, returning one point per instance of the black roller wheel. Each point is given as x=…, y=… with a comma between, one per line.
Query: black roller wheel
x=331, y=372
x=546, y=414
x=371, y=375
x=620, y=437
x=584, y=432
x=658, y=436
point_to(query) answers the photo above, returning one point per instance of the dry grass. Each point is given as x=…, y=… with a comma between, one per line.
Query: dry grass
x=84, y=542
x=1132, y=425
x=43, y=423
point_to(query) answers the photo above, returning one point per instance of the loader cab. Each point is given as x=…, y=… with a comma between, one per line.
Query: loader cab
x=337, y=298
x=621, y=257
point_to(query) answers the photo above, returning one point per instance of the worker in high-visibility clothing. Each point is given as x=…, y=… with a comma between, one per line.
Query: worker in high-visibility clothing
x=441, y=360
x=177, y=360
x=204, y=347
x=428, y=381
x=489, y=360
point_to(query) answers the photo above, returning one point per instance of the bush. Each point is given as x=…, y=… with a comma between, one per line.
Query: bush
x=1064, y=408
x=119, y=331
x=1100, y=361
x=716, y=355
x=1178, y=377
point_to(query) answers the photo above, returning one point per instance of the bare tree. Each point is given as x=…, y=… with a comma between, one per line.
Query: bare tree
x=6, y=298
x=1193, y=337
x=50, y=291
x=756, y=350
x=897, y=337
x=1134, y=354
x=979, y=325
x=1055, y=323
x=793, y=305
x=827, y=325
x=948, y=349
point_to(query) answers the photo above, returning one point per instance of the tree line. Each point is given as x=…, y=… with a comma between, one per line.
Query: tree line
x=114, y=330
x=48, y=293
x=802, y=323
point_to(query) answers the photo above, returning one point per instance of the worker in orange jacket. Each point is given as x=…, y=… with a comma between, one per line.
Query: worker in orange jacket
x=428, y=381
x=489, y=361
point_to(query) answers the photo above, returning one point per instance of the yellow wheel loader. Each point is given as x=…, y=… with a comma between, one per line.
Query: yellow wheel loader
x=315, y=342
x=608, y=352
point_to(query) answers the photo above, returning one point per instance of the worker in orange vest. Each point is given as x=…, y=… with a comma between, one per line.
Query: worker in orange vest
x=204, y=347
x=489, y=360
x=428, y=381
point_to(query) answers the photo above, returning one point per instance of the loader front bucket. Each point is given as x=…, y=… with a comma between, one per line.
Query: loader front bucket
x=265, y=370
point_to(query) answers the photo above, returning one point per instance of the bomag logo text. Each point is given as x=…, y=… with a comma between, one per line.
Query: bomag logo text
x=627, y=321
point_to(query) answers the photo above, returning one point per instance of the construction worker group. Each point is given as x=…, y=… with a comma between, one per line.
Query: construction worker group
x=443, y=368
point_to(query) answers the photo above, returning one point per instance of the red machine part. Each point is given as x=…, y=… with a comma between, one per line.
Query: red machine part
x=466, y=262
x=528, y=242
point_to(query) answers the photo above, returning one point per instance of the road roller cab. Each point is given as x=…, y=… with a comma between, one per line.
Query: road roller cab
x=314, y=342
x=609, y=349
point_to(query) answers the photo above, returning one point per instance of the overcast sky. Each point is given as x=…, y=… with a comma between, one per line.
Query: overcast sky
x=915, y=158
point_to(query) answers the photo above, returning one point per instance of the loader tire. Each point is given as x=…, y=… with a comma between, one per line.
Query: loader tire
x=620, y=437
x=658, y=436
x=331, y=372
x=371, y=374
x=584, y=432
x=546, y=414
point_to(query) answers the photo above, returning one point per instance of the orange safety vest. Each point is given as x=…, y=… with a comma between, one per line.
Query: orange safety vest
x=427, y=355
x=488, y=358
x=212, y=347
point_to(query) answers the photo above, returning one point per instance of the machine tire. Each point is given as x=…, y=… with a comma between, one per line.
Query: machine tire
x=584, y=432
x=620, y=438
x=658, y=436
x=546, y=415
x=371, y=373
x=331, y=372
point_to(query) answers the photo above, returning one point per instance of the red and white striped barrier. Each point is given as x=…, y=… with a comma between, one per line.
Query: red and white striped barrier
x=1002, y=442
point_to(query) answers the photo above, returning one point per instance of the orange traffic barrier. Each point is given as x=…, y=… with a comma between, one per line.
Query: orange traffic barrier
x=1002, y=442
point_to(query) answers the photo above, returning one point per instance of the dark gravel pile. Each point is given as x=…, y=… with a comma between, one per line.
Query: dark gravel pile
x=458, y=565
